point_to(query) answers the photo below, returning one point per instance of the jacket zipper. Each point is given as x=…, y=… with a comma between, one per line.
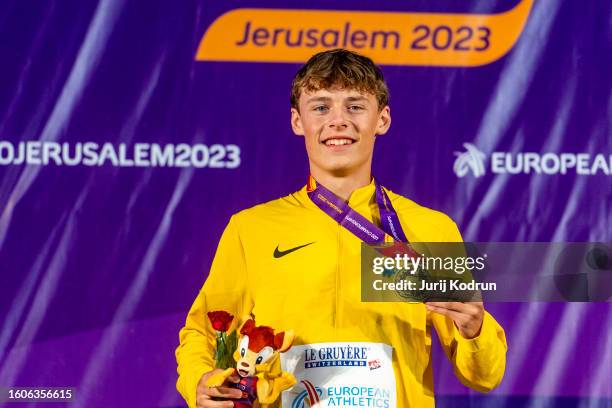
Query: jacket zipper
x=337, y=283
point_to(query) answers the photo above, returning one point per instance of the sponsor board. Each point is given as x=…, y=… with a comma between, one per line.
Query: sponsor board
x=344, y=374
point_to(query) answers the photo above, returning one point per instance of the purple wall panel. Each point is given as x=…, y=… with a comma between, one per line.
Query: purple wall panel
x=99, y=264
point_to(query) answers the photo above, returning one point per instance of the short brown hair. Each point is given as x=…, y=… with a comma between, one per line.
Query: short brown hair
x=342, y=68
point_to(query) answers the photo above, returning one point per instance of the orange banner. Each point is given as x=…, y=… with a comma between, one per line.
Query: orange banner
x=274, y=35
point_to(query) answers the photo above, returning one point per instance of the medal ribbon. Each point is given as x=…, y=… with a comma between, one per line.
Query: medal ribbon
x=356, y=223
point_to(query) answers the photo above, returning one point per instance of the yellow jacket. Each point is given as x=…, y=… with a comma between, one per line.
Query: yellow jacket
x=315, y=290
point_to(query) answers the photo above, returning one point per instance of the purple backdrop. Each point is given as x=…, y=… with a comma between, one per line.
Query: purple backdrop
x=99, y=264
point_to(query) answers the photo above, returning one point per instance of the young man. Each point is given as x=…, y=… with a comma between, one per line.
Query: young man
x=294, y=263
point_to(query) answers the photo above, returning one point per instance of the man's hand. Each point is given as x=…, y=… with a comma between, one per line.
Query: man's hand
x=221, y=395
x=467, y=316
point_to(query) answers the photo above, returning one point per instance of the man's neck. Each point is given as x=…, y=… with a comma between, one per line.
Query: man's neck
x=342, y=186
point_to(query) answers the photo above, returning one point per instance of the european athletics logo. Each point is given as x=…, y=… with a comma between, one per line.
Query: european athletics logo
x=311, y=396
x=471, y=159
x=342, y=396
x=549, y=163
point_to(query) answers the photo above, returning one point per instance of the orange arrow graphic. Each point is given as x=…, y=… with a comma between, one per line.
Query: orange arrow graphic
x=389, y=38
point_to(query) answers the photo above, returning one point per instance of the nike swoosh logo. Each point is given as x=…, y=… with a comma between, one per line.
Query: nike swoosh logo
x=278, y=254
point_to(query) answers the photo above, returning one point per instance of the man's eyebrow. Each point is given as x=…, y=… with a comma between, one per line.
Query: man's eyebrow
x=356, y=98
x=327, y=99
x=319, y=99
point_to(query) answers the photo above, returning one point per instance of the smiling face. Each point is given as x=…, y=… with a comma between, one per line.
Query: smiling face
x=339, y=128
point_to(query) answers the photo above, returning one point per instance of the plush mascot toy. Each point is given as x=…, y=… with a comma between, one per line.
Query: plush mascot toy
x=258, y=365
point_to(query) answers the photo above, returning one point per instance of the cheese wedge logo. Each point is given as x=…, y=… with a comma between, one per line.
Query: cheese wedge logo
x=435, y=39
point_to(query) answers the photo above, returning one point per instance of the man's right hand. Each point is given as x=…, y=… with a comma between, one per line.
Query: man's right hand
x=222, y=395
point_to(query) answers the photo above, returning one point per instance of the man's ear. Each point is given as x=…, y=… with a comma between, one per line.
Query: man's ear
x=384, y=121
x=296, y=122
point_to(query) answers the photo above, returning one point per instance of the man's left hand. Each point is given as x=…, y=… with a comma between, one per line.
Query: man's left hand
x=467, y=316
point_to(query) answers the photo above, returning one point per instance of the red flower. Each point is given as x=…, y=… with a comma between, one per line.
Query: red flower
x=220, y=320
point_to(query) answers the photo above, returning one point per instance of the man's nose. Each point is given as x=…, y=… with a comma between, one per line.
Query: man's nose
x=337, y=119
